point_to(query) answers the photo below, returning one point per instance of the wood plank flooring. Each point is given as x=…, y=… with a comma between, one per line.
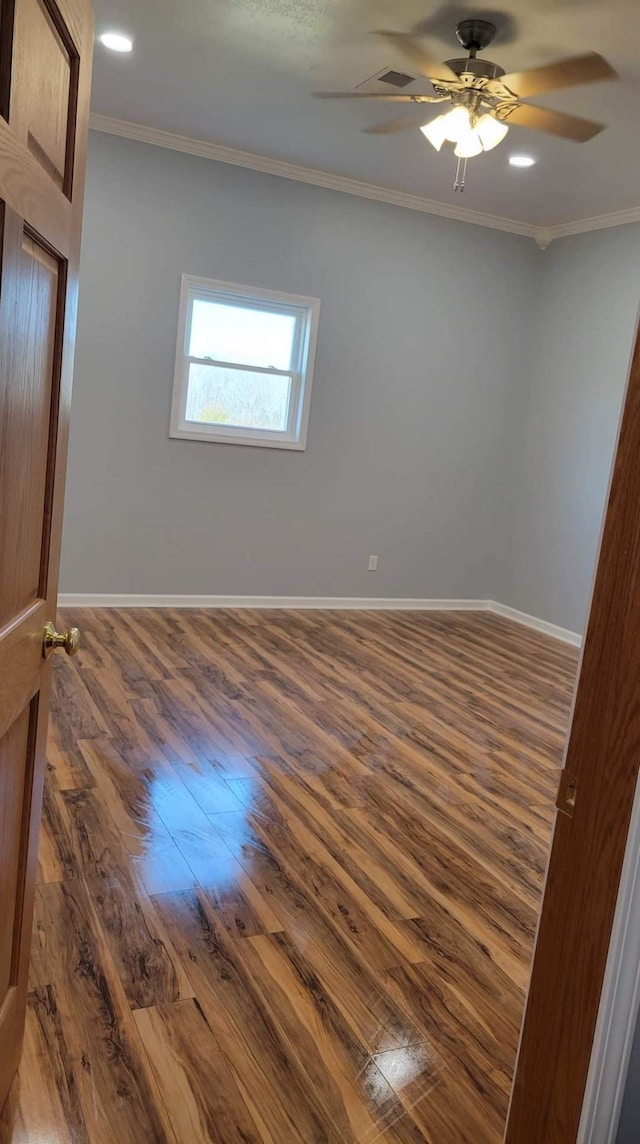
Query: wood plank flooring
x=290, y=870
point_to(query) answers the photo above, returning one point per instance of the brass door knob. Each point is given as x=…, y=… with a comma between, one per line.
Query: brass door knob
x=69, y=640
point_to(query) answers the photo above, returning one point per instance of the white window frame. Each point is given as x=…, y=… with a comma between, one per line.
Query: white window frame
x=306, y=312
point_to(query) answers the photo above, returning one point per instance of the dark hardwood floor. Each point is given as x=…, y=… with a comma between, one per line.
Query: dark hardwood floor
x=290, y=870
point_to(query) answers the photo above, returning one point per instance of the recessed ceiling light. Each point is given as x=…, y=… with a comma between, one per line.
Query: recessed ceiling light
x=521, y=160
x=116, y=42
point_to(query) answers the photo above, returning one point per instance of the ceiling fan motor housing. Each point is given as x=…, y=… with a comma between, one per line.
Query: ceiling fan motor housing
x=475, y=35
x=479, y=69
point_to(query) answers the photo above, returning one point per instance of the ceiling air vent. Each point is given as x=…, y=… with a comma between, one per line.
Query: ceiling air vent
x=395, y=78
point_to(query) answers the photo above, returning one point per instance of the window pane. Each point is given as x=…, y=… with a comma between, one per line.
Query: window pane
x=238, y=334
x=219, y=396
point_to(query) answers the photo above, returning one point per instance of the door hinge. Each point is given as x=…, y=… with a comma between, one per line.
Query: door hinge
x=566, y=796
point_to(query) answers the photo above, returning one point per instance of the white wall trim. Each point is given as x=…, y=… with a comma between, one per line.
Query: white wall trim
x=596, y=222
x=338, y=603
x=342, y=603
x=619, y=1004
x=573, y=638
x=542, y=235
x=301, y=174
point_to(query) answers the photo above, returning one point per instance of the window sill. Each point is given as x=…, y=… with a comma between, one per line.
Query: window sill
x=239, y=439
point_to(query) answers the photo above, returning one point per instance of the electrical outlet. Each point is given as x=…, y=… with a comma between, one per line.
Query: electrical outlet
x=373, y=563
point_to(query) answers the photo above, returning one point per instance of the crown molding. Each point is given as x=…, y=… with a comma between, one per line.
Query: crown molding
x=301, y=174
x=542, y=235
x=596, y=222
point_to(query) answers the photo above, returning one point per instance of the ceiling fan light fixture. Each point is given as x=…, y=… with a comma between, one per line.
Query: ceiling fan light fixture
x=468, y=145
x=435, y=131
x=458, y=124
x=491, y=131
x=453, y=126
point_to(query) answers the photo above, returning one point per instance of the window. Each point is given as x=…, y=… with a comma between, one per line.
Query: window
x=243, y=365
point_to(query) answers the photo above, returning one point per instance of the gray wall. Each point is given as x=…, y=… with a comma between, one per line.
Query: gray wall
x=419, y=350
x=466, y=396
x=564, y=422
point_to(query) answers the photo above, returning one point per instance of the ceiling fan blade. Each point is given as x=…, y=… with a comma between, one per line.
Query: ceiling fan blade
x=414, y=50
x=376, y=95
x=553, y=122
x=589, y=68
x=390, y=126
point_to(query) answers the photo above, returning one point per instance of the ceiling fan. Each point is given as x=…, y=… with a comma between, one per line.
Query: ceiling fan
x=484, y=99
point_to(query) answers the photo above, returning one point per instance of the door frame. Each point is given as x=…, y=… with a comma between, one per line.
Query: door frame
x=619, y=1004
x=584, y=975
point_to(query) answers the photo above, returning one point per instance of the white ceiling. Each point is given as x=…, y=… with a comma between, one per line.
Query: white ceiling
x=241, y=73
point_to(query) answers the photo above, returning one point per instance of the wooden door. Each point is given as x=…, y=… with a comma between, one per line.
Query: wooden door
x=45, y=64
x=600, y=775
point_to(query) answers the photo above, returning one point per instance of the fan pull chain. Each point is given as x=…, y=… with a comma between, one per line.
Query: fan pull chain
x=461, y=174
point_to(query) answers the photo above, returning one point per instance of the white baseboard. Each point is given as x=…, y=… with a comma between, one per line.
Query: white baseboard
x=340, y=603
x=337, y=603
x=573, y=638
